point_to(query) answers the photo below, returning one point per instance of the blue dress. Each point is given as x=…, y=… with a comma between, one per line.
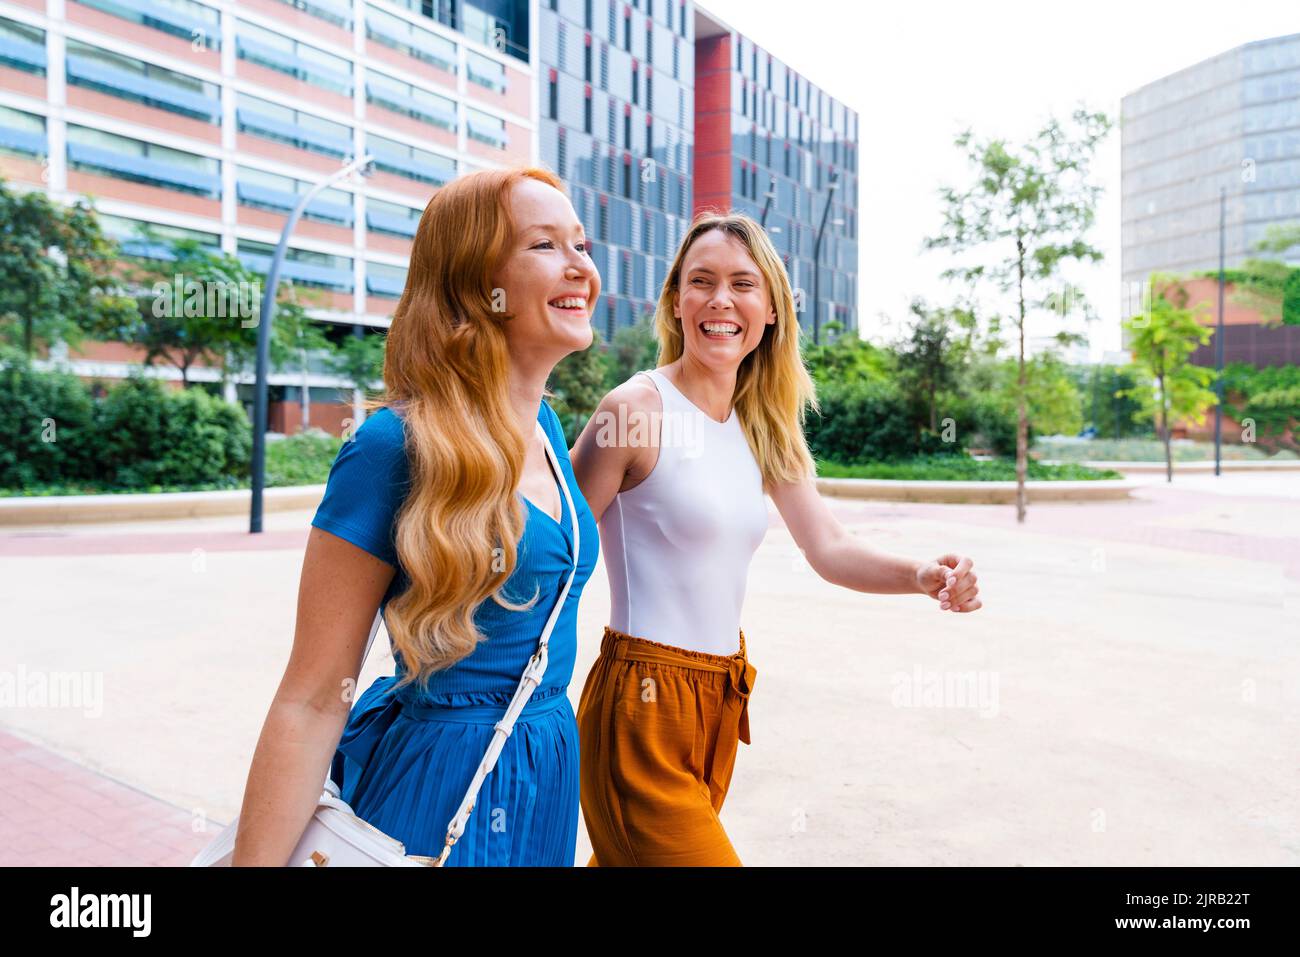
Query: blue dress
x=406, y=758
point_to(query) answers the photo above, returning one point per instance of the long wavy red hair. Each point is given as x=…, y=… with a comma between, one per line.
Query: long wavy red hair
x=445, y=369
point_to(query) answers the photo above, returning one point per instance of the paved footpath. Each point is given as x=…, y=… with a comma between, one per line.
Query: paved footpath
x=1140, y=702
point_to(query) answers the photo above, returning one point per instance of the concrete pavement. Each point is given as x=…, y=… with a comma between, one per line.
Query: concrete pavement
x=1129, y=694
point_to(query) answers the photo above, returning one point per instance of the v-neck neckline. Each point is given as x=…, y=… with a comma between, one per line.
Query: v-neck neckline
x=558, y=523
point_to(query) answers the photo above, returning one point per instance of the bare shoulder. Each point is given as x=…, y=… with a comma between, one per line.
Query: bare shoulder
x=638, y=394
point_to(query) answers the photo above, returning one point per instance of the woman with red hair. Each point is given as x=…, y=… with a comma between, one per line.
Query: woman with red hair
x=443, y=512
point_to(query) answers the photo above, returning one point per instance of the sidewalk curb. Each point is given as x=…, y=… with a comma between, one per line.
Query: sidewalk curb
x=975, y=493
x=130, y=507
x=1263, y=465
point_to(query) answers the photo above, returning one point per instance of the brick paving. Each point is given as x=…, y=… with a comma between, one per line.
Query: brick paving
x=57, y=813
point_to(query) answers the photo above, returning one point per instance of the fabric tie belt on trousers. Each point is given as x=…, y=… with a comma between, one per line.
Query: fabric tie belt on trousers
x=740, y=681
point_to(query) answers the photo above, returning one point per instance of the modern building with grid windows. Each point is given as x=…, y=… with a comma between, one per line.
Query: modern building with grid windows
x=763, y=130
x=1231, y=122
x=654, y=110
x=208, y=120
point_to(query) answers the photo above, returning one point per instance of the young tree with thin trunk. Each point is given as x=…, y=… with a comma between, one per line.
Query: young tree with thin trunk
x=1025, y=214
x=1164, y=337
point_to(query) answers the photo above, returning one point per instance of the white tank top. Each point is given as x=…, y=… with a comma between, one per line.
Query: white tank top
x=678, y=546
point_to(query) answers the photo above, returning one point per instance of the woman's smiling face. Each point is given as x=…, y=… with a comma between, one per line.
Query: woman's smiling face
x=547, y=281
x=722, y=301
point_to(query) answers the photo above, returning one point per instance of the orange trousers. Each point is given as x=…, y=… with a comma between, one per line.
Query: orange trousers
x=659, y=728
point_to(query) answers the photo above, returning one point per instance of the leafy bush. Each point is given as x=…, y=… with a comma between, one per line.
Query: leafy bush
x=140, y=436
x=860, y=423
x=302, y=459
x=48, y=427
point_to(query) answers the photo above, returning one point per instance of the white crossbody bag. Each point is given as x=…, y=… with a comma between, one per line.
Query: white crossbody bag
x=336, y=837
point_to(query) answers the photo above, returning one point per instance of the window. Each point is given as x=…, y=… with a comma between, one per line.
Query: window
x=298, y=60
x=409, y=100
x=293, y=128
x=627, y=29
x=586, y=111
x=552, y=95
x=636, y=83
x=604, y=66
x=410, y=162
x=486, y=128
x=627, y=127
x=258, y=189
x=391, y=218
x=302, y=266
x=486, y=72
x=145, y=240
x=22, y=47
x=562, y=160
x=107, y=154
x=406, y=37
x=141, y=82
x=586, y=57
x=186, y=19
x=337, y=12
x=385, y=280
x=22, y=134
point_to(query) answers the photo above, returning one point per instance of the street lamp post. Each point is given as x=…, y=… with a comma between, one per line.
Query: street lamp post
x=817, y=258
x=1218, y=338
x=767, y=200
x=264, y=337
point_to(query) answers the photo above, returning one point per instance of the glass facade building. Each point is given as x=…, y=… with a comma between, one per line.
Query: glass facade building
x=1230, y=122
x=208, y=120
x=764, y=130
x=616, y=102
x=654, y=110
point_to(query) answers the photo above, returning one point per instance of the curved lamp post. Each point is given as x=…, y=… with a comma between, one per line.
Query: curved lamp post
x=264, y=336
x=817, y=258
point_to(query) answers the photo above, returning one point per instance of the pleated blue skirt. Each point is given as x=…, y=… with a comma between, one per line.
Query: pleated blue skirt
x=405, y=766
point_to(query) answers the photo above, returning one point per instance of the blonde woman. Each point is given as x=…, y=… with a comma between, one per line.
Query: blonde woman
x=443, y=512
x=680, y=515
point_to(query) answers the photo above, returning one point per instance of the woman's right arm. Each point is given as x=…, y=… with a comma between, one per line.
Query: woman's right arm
x=339, y=591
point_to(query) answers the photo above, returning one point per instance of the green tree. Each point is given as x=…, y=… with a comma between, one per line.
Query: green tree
x=578, y=384
x=632, y=349
x=846, y=360
x=1163, y=340
x=1111, y=415
x=1030, y=208
x=359, y=361
x=199, y=304
x=928, y=361
x=57, y=271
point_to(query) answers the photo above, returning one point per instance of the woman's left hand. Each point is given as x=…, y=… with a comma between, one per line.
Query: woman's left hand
x=950, y=580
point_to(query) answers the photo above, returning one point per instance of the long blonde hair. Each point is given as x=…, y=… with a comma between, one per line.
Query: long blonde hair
x=773, y=388
x=446, y=364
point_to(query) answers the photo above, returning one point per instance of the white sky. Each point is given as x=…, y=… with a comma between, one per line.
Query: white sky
x=918, y=72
